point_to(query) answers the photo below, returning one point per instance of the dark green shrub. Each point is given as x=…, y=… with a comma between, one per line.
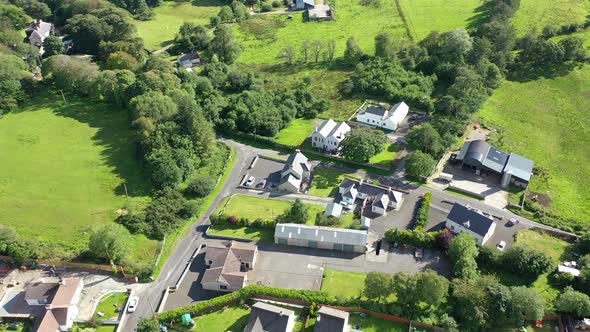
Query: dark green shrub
x=423, y=213
x=200, y=186
x=266, y=8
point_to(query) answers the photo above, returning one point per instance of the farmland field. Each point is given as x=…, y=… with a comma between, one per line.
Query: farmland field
x=545, y=120
x=424, y=16
x=168, y=17
x=351, y=19
x=62, y=170
x=535, y=14
x=296, y=132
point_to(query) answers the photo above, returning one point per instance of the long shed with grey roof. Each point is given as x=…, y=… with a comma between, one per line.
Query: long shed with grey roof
x=339, y=239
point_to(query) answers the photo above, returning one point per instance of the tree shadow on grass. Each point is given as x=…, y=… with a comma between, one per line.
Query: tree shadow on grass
x=116, y=139
x=481, y=15
x=240, y=324
x=524, y=74
x=207, y=3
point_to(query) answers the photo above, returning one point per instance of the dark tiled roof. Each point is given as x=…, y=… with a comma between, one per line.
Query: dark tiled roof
x=267, y=317
x=478, y=223
x=368, y=189
x=41, y=290
x=226, y=262
x=330, y=320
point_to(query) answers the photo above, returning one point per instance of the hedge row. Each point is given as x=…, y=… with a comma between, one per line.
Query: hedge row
x=245, y=222
x=415, y=237
x=423, y=213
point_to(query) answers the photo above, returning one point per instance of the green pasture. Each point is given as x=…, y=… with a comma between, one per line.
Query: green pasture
x=297, y=131
x=535, y=14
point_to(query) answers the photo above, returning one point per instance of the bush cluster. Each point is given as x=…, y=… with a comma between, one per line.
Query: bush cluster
x=242, y=222
x=423, y=213
x=416, y=238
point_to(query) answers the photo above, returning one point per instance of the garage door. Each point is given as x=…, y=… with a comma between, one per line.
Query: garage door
x=348, y=248
x=312, y=244
x=283, y=241
x=338, y=247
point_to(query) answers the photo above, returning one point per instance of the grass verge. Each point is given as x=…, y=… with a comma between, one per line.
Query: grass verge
x=110, y=305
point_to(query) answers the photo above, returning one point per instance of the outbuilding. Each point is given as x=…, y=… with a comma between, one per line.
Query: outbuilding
x=339, y=239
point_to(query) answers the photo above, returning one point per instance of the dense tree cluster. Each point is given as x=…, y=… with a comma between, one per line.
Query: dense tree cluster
x=362, y=144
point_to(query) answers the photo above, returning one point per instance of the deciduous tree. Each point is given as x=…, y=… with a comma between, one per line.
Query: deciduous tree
x=378, y=285
x=420, y=165
x=110, y=242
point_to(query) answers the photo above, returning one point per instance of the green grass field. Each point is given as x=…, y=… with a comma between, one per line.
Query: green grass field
x=325, y=181
x=228, y=319
x=385, y=157
x=375, y=324
x=168, y=17
x=252, y=208
x=62, y=170
x=424, y=16
x=109, y=305
x=297, y=131
x=351, y=19
x=343, y=283
x=546, y=120
x=535, y=14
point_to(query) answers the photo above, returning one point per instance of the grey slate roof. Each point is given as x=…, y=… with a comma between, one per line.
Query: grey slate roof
x=381, y=201
x=475, y=150
x=495, y=159
x=298, y=162
x=226, y=262
x=321, y=234
x=267, y=317
x=330, y=320
x=520, y=167
x=376, y=110
x=41, y=290
x=478, y=223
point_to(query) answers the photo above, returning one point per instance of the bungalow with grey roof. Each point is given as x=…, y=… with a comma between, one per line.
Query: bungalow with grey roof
x=295, y=171
x=228, y=265
x=267, y=317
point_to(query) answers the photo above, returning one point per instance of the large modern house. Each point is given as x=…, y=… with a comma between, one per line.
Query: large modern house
x=228, y=265
x=481, y=156
x=472, y=221
x=339, y=239
x=379, y=116
x=268, y=317
x=377, y=197
x=328, y=135
x=295, y=171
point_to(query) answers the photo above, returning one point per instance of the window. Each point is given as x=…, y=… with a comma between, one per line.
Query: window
x=224, y=287
x=452, y=227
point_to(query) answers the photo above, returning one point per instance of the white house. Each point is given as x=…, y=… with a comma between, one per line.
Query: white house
x=295, y=171
x=472, y=221
x=382, y=198
x=328, y=135
x=379, y=116
x=38, y=31
x=304, y=4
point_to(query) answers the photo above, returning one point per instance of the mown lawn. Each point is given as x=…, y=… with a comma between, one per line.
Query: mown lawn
x=535, y=14
x=250, y=207
x=385, y=157
x=109, y=305
x=62, y=170
x=424, y=16
x=546, y=120
x=228, y=319
x=297, y=131
x=351, y=19
x=326, y=181
x=375, y=324
x=251, y=233
x=343, y=283
x=168, y=17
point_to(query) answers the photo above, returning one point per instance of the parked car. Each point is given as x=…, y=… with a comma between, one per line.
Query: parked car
x=501, y=246
x=132, y=304
x=261, y=184
x=419, y=253
x=249, y=182
x=513, y=221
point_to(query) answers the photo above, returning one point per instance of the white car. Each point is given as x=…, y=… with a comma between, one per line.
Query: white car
x=132, y=304
x=249, y=182
x=501, y=246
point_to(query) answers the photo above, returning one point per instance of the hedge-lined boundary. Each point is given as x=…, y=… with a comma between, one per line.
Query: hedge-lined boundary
x=300, y=297
x=423, y=212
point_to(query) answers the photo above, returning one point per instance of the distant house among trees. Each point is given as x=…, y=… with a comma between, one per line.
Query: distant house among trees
x=379, y=116
x=189, y=60
x=328, y=135
x=38, y=31
x=304, y=4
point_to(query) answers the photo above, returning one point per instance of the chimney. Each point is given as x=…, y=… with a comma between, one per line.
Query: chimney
x=467, y=224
